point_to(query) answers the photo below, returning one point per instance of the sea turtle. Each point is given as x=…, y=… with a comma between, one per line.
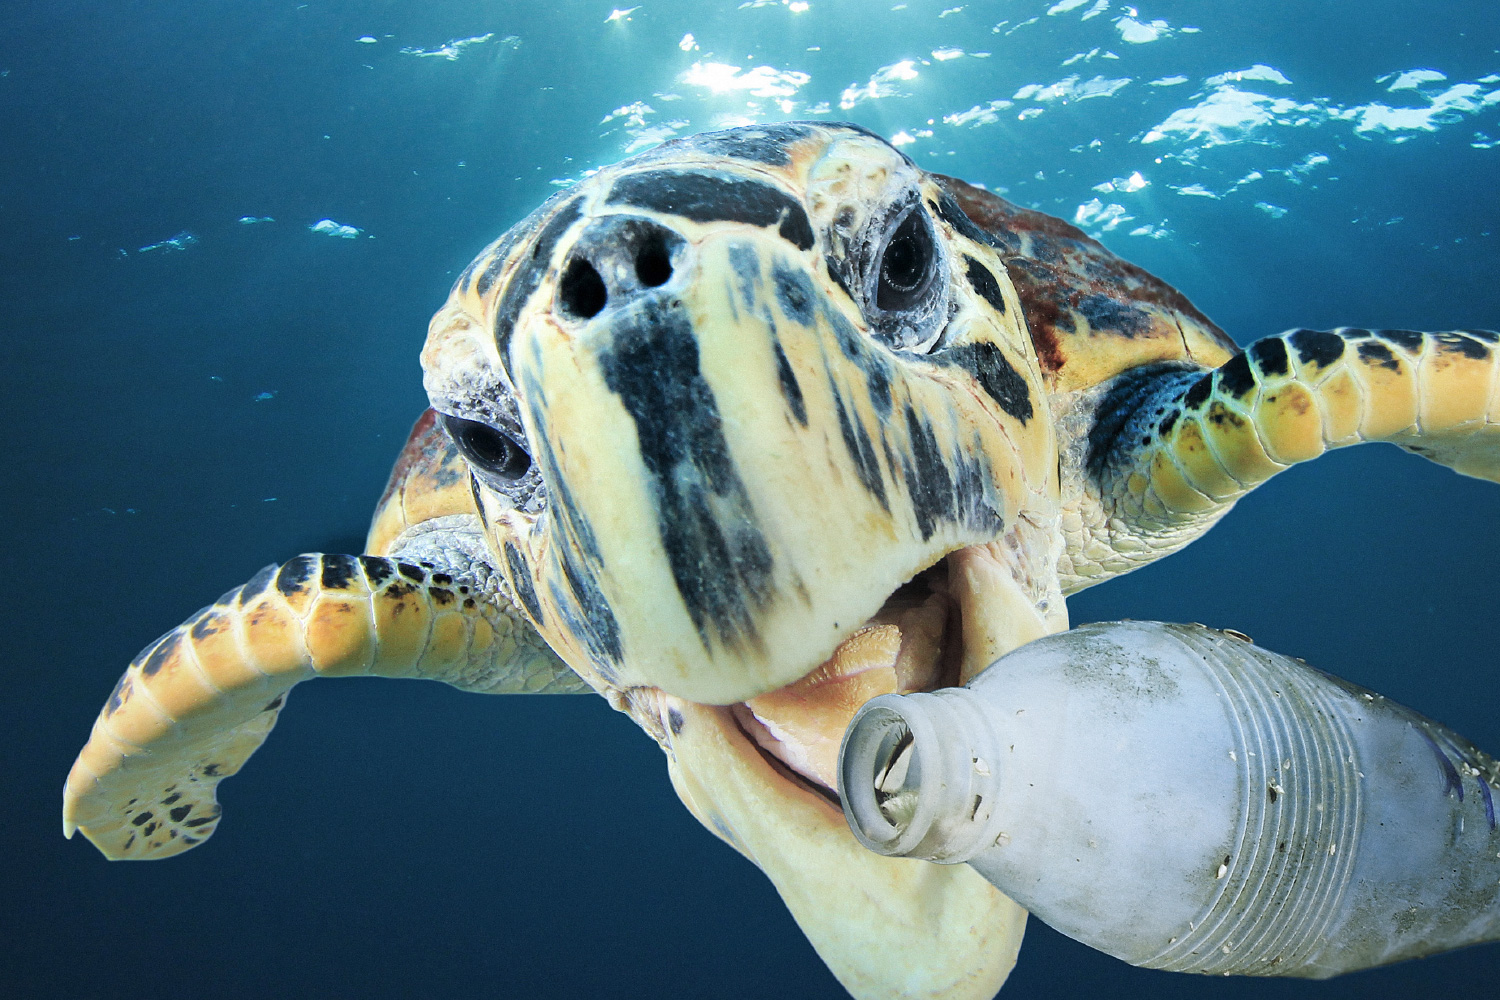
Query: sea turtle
x=741, y=432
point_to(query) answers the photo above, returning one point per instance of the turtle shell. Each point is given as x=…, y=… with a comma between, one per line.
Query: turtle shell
x=1091, y=315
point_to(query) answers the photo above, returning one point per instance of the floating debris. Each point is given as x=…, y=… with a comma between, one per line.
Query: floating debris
x=1259, y=71
x=1100, y=217
x=882, y=83
x=181, y=241
x=1129, y=185
x=1070, y=89
x=979, y=114
x=453, y=48
x=330, y=228
x=251, y=220
x=762, y=81
x=1412, y=79
x=1140, y=32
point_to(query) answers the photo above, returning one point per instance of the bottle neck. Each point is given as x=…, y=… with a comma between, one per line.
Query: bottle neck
x=920, y=776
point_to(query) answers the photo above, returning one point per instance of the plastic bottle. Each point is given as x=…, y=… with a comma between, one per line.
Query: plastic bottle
x=1182, y=799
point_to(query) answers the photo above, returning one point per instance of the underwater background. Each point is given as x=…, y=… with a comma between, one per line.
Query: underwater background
x=225, y=226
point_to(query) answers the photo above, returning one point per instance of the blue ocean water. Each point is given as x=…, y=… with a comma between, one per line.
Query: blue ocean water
x=225, y=227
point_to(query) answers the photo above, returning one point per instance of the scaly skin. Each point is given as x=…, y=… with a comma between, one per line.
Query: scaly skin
x=195, y=704
x=1169, y=449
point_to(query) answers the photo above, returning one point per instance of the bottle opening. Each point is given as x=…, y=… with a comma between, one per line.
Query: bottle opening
x=880, y=774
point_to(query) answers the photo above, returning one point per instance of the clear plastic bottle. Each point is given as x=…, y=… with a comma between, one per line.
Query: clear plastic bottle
x=1182, y=799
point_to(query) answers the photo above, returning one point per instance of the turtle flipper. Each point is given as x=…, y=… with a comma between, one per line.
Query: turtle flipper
x=195, y=704
x=1162, y=451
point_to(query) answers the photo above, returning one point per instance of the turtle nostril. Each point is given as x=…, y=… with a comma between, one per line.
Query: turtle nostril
x=653, y=263
x=581, y=292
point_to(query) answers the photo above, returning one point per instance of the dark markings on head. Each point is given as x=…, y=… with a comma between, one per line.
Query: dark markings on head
x=180, y=813
x=878, y=377
x=1269, y=355
x=1235, y=376
x=441, y=596
x=1409, y=340
x=744, y=261
x=577, y=526
x=709, y=196
x=836, y=272
x=589, y=616
x=958, y=489
x=714, y=546
x=794, y=293
x=338, y=572
x=1375, y=353
x=442, y=579
x=850, y=345
x=520, y=582
x=1317, y=347
x=949, y=212
x=861, y=451
x=674, y=721
x=790, y=389
x=528, y=275
x=164, y=649
x=413, y=573
x=495, y=257
x=256, y=586
x=983, y=282
x=760, y=144
x=491, y=272
x=995, y=375
x=478, y=500
x=377, y=570
x=294, y=575
x=927, y=478
x=1125, y=410
x=1107, y=313
x=1459, y=344
x=495, y=260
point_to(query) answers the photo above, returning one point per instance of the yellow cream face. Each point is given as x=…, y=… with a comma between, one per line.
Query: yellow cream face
x=721, y=400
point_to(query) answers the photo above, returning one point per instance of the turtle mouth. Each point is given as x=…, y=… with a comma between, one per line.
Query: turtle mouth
x=914, y=642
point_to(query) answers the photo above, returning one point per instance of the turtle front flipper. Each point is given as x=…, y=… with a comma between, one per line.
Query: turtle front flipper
x=1161, y=451
x=195, y=704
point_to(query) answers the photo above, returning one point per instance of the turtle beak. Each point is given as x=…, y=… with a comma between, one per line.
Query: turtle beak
x=738, y=476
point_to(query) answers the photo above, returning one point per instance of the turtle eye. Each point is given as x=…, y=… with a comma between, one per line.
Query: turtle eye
x=906, y=265
x=489, y=451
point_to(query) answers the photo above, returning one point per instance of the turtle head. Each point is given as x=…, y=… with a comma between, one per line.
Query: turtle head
x=725, y=399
